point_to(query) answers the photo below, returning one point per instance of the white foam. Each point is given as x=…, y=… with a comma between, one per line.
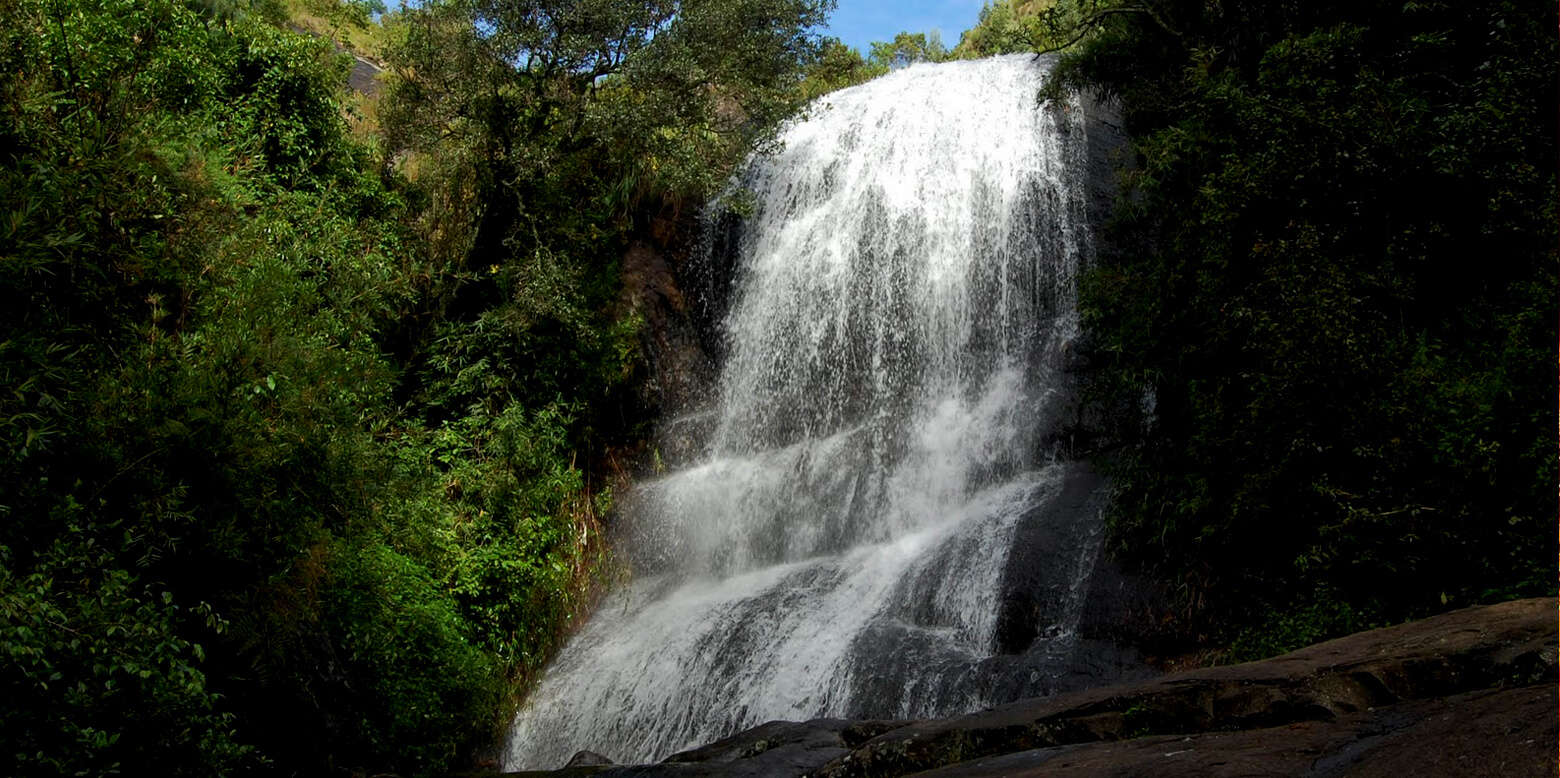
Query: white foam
x=903, y=289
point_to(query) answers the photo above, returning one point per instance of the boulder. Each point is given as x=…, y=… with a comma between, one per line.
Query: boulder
x=587, y=759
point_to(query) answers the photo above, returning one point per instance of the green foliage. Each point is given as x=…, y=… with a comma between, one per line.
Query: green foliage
x=907, y=49
x=300, y=457
x=1299, y=624
x=566, y=110
x=837, y=66
x=541, y=138
x=98, y=679
x=417, y=681
x=514, y=569
x=1006, y=27
x=1324, y=339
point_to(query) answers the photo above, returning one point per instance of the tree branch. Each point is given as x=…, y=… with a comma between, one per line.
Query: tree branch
x=1093, y=21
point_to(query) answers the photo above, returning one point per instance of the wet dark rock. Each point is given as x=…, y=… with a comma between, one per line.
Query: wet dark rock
x=1045, y=589
x=1505, y=732
x=1511, y=644
x=1467, y=693
x=1034, y=585
x=680, y=370
x=772, y=749
x=587, y=759
x=783, y=747
x=653, y=290
x=1108, y=154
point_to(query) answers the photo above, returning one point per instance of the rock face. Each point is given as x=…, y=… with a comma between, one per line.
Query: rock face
x=652, y=288
x=1467, y=693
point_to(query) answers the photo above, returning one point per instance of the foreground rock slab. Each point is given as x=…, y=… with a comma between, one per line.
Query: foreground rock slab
x=1486, y=733
x=1467, y=693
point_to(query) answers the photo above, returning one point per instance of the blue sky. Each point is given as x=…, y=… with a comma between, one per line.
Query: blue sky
x=860, y=22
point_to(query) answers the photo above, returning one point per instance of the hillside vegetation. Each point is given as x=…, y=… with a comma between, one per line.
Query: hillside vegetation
x=1325, y=339
x=304, y=430
x=310, y=399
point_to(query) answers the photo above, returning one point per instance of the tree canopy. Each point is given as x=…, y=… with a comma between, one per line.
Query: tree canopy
x=1325, y=335
x=908, y=48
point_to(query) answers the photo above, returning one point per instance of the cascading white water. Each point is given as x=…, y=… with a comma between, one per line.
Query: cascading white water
x=902, y=303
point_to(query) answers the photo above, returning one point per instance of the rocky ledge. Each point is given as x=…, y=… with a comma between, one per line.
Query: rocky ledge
x=1466, y=693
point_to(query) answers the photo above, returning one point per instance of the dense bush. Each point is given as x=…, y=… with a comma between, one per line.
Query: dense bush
x=297, y=449
x=1326, y=334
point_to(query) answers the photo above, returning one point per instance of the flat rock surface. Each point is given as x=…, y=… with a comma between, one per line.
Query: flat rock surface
x=1508, y=732
x=1466, y=693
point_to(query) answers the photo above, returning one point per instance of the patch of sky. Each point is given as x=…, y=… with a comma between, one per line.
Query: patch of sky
x=861, y=22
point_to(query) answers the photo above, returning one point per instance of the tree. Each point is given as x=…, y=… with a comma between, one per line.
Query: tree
x=562, y=98
x=228, y=545
x=837, y=66
x=545, y=134
x=1005, y=27
x=1324, y=336
x=907, y=49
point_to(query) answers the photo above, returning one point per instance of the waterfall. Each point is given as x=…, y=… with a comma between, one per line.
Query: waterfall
x=901, y=306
